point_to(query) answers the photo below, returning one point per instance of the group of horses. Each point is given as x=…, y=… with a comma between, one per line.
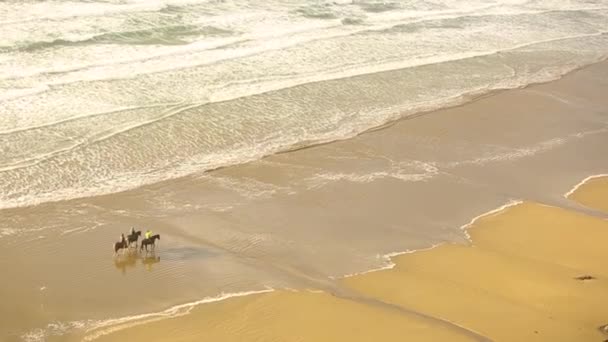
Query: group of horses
x=132, y=241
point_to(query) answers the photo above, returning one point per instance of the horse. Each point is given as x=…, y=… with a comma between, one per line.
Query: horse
x=133, y=238
x=120, y=245
x=150, y=241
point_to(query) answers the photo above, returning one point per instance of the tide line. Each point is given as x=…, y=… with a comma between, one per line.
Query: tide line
x=569, y=193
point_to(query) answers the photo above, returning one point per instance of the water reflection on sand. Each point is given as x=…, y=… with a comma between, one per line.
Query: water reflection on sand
x=130, y=259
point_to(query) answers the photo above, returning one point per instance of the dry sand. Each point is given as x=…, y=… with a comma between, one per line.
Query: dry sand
x=592, y=193
x=518, y=282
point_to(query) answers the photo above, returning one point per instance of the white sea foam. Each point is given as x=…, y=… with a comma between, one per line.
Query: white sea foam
x=581, y=183
x=8, y=231
x=492, y=212
x=387, y=261
x=253, y=79
x=412, y=171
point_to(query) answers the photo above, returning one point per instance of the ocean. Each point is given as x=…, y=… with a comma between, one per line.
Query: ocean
x=111, y=95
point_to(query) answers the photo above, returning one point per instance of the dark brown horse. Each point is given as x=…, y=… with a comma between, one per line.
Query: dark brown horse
x=133, y=238
x=120, y=245
x=150, y=241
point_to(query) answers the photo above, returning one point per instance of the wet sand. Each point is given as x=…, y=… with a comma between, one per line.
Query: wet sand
x=305, y=218
x=532, y=273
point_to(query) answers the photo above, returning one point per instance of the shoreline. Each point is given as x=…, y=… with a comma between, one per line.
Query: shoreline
x=583, y=182
x=114, y=325
x=281, y=222
x=395, y=259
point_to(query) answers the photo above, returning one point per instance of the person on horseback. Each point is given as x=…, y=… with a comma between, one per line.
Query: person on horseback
x=120, y=244
x=148, y=234
x=132, y=231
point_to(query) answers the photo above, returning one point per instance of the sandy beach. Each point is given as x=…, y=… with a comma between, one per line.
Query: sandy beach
x=522, y=278
x=304, y=219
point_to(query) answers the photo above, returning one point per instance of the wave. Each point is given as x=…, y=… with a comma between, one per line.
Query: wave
x=95, y=137
x=378, y=7
x=84, y=116
x=242, y=154
x=316, y=12
x=88, y=109
x=466, y=20
x=167, y=35
x=264, y=84
x=235, y=47
x=39, y=11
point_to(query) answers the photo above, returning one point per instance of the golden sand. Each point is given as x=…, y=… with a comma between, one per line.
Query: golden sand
x=532, y=273
x=593, y=193
x=291, y=316
x=517, y=283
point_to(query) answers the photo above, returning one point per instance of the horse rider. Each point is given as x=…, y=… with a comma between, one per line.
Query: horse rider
x=148, y=234
x=132, y=231
x=122, y=238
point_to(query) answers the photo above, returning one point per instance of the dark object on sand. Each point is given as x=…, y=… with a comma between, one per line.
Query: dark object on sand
x=150, y=241
x=120, y=245
x=585, y=277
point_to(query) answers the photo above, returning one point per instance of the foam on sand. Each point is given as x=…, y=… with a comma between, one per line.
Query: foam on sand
x=591, y=192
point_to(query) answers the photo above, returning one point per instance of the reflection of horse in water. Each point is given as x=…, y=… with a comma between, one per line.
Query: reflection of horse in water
x=133, y=238
x=150, y=241
x=129, y=260
x=148, y=261
x=124, y=261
